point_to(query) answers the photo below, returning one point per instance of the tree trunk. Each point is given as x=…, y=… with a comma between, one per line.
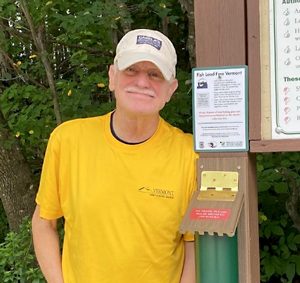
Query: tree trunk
x=38, y=40
x=17, y=189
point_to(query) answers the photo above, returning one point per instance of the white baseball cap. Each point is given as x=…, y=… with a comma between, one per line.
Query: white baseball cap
x=147, y=45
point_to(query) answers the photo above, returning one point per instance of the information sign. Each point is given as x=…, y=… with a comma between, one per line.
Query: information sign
x=285, y=68
x=220, y=108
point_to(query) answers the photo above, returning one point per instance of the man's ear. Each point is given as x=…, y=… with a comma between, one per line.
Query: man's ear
x=172, y=88
x=111, y=76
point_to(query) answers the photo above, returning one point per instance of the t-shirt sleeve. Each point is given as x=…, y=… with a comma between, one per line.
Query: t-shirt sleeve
x=48, y=197
x=188, y=236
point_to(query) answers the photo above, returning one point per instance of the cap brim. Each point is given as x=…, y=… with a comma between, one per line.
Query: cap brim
x=127, y=59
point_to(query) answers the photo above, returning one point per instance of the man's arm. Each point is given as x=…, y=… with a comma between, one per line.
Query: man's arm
x=189, y=271
x=46, y=246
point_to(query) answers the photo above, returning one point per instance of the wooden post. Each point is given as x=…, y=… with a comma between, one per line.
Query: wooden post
x=227, y=33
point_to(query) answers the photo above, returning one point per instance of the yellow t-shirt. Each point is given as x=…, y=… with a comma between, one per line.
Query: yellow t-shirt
x=122, y=204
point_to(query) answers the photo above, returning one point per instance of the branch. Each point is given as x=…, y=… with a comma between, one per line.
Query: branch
x=78, y=46
x=19, y=74
x=37, y=37
x=14, y=22
x=13, y=32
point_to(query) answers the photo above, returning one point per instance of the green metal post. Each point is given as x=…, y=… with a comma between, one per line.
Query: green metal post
x=216, y=259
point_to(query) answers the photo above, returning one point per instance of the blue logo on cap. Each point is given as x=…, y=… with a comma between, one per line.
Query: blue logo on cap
x=143, y=39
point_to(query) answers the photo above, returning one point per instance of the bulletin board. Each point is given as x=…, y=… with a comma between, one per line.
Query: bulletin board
x=280, y=77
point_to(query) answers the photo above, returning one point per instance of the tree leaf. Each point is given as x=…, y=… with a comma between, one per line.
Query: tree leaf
x=277, y=230
x=281, y=188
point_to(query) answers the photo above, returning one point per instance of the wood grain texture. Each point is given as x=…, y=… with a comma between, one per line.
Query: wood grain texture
x=288, y=145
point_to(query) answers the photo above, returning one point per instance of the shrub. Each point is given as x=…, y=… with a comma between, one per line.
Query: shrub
x=278, y=177
x=17, y=260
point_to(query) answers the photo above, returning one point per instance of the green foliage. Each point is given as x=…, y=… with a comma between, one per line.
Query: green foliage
x=279, y=239
x=179, y=110
x=29, y=115
x=17, y=262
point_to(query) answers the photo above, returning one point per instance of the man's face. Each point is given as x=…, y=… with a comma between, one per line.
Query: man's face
x=141, y=88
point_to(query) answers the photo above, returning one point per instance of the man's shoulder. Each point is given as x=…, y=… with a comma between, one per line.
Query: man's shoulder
x=177, y=131
x=175, y=134
x=79, y=125
x=82, y=130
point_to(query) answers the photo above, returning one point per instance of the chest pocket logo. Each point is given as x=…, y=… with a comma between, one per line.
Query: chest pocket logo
x=158, y=193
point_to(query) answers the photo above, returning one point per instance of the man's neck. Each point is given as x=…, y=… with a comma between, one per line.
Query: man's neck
x=133, y=129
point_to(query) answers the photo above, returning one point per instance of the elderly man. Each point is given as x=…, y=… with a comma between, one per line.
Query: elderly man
x=122, y=181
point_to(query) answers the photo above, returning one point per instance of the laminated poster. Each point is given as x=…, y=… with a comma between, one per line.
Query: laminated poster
x=220, y=109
